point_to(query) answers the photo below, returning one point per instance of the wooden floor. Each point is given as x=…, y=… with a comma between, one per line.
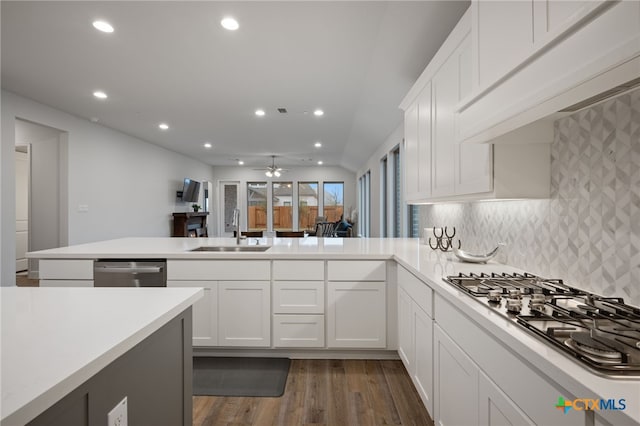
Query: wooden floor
x=325, y=392
x=23, y=281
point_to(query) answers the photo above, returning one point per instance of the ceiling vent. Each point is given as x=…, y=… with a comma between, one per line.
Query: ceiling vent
x=282, y=110
x=602, y=96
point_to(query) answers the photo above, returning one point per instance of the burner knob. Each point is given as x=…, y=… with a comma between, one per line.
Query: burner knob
x=514, y=305
x=494, y=295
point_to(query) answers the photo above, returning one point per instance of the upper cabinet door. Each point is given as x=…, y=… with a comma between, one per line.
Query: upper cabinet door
x=552, y=17
x=504, y=31
x=445, y=97
x=411, y=152
x=473, y=162
x=424, y=142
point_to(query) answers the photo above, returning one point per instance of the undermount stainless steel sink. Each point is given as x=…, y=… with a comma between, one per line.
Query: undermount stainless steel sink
x=233, y=248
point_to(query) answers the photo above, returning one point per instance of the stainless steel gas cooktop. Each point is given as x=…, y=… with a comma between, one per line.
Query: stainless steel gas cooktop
x=601, y=332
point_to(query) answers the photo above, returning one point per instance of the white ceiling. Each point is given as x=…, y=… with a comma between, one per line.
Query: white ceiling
x=173, y=62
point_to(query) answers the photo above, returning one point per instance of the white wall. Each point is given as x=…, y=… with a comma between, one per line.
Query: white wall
x=128, y=185
x=244, y=174
x=373, y=165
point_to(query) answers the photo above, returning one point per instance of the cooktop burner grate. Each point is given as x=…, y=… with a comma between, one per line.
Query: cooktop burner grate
x=601, y=332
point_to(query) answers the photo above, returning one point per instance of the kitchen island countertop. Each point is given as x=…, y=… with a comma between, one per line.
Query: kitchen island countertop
x=55, y=339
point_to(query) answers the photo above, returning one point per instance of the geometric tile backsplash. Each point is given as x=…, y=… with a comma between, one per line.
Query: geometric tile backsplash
x=588, y=232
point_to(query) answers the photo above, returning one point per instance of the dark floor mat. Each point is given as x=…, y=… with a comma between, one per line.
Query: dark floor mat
x=219, y=376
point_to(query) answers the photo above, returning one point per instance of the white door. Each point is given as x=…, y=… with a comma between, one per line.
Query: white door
x=229, y=199
x=204, y=312
x=356, y=315
x=455, y=383
x=244, y=314
x=423, y=364
x=405, y=329
x=496, y=408
x=22, y=210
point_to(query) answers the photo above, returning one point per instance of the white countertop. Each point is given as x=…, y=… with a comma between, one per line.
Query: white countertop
x=54, y=339
x=427, y=265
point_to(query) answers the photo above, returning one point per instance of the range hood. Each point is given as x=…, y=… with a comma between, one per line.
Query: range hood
x=535, y=124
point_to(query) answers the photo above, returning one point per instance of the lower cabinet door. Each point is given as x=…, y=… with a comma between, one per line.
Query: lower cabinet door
x=357, y=314
x=455, y=383
x=423, y=364
x=205, y=312
x=298, y=331
x=405, y=330
x=496, y=408
x=244, y=315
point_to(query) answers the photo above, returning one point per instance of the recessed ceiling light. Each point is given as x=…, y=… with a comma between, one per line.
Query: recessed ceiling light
x=103, y=26
x=94, y=119
x=318, y=112
x=100, y=94
x=317, y=144
x=320, y=163
x=240, y=162
x=230, y=24
x=207, y=145
x=163, y=126
x=260, y=112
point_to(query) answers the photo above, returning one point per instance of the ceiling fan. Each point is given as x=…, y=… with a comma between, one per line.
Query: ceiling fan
x=273, y=170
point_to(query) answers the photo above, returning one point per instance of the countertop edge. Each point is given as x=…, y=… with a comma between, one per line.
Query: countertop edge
x=42, y=402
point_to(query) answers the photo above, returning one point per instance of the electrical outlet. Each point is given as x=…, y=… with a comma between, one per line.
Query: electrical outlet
x=118, y=415
x=83, y=208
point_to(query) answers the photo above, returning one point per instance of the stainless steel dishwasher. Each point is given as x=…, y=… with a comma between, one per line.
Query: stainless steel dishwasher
x=130, y=273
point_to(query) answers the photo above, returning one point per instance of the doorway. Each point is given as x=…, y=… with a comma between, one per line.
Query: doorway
x=229, y=200
x=41, y=200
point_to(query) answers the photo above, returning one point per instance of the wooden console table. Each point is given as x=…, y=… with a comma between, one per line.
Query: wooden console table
x=190, y=224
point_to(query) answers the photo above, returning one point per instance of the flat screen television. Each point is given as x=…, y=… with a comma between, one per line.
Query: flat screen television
x=191, y=190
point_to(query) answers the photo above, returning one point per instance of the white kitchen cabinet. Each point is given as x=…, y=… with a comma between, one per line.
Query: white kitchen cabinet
x=504, y=36
x=218, y=269
x=415, y=333
x=411, y=158
x=356, y=270
x=244, y=313
x=66, y=272
x=422, y=374
x=455, y=383
x=557, y=54
x=298, y=304
x=298, y=297
x=356, y=314
x=461, y=171
x=496, y=408
x=406, y=345
x=205, y=312
x=298, y=331
x=418, y=148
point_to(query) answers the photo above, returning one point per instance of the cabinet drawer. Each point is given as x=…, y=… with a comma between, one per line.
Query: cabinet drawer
x=298, y=331
x=298, y=270
x=298, y=297
x=62, y=269
x=218, y=270
x=357, y=270
x=416, y=289
x=66, y=283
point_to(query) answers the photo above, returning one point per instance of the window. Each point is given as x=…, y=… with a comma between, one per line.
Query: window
x=256, y=206
x=307, y=205
x=397, y=193
x=333, y=200
x=383, y=197
x=414, y=221
x=281, y=206
x=364, y=204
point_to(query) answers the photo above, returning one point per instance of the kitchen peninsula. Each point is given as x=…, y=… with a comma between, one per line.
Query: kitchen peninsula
x=70, y=355
x=332, y=297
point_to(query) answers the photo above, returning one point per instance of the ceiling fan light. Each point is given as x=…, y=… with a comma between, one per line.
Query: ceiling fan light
x=276, y=173
x=268, y=173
